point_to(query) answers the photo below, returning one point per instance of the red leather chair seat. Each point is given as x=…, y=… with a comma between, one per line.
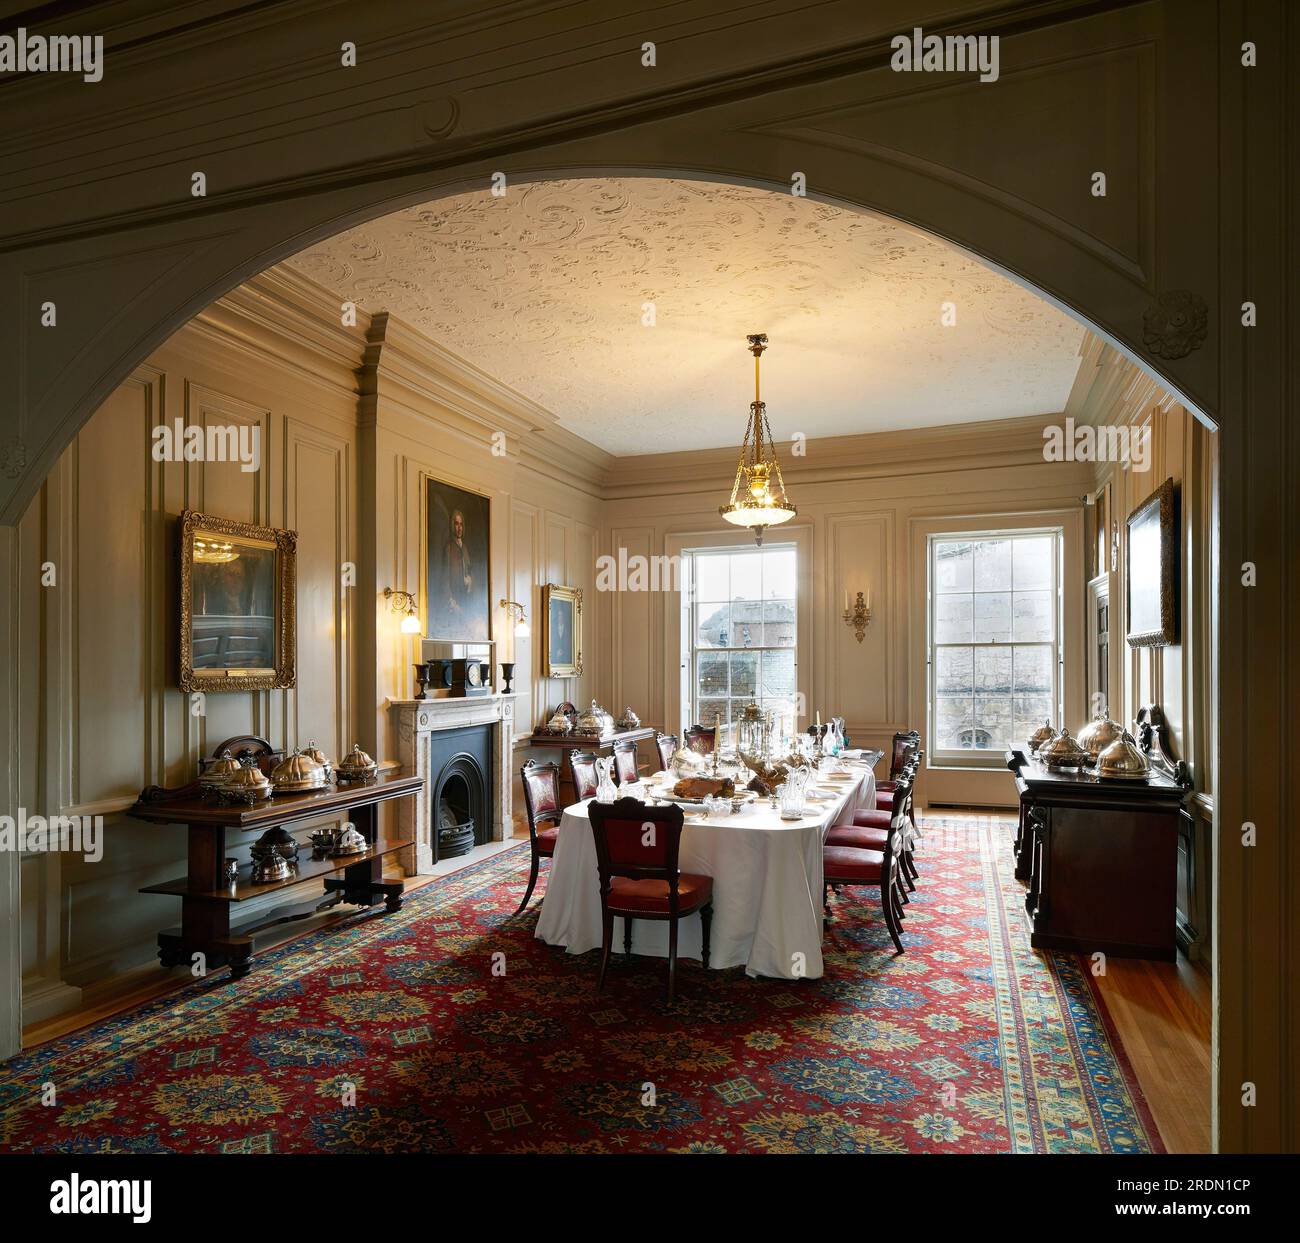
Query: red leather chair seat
x=887, y=786
x=860, y=838
x=884, y=799
x=651, y=896
x=873, y=819
x=546, y=839
x=851, y=865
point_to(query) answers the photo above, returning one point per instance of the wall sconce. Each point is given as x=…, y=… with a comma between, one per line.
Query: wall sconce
x=516, y=610
x=403, y=602
x=859, y=616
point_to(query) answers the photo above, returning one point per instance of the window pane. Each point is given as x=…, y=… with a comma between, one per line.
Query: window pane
x=993, y=565
x=714, y=628
x=746, y=633
x=1033, y=670
x=952, y=566
x=953, y=619
x=778, y=675
x=991, y=727
x=778, y=574
x=1031, y=562
x=746, y=576
x=954, y=671
x=712, y=675
x=708, y=707
x=780, y=628
x=952, y=716
x=744, y=674
x=1033, y=616
x=993, y=617
x=993, y=671
x=1030, y=712
x=712, y=578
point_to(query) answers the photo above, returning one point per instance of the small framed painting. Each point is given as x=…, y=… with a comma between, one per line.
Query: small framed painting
x=561, y=631
x=1152, y=570
x=238, y=585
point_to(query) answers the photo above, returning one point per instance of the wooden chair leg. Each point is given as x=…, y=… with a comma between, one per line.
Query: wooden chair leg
x=606, y=943
x=627, y=935
x=532, y=880
x=891, y=922
x=672, y=960
x=706, y=921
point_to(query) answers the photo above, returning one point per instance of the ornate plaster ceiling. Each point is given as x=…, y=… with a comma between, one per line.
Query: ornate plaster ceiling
x=544, y=289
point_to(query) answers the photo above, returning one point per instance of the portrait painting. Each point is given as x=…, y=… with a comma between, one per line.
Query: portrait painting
x=562, y=641
x=459, y=592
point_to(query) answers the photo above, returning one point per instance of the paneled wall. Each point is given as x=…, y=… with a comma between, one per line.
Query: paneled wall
x=96, y=679
x=1110, y=391
x=352, y=422
x=865, y=505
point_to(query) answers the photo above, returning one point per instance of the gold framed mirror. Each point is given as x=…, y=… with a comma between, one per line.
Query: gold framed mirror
x=238, y=591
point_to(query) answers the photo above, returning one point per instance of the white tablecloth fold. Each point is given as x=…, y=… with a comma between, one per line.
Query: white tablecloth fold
x=767, y=887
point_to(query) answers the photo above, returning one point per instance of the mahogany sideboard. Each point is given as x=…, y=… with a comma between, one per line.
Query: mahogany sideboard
x=207, y=898
x=1100, y=858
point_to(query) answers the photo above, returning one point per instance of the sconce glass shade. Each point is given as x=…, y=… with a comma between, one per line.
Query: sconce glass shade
x=521, y=629
x=410, y=623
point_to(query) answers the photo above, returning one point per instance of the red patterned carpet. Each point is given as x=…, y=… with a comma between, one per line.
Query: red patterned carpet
x=967, y=1043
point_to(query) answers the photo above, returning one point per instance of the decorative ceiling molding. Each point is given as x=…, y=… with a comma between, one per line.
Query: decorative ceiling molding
x=546, y=288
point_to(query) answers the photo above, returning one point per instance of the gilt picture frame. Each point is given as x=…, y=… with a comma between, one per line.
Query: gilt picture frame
x=238, y=624
x=1151, y=570
x=561, y=631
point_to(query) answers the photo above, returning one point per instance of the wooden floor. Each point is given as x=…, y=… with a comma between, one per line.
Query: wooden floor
x=1160, y=1010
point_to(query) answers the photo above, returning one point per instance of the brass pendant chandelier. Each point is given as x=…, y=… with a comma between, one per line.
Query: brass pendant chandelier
x=758, y=497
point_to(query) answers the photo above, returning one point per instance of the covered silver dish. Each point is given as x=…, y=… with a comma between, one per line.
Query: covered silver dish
x=313, y=752
x=356, y=765
x=1098, y=734
x=1124, y=760
x=297, y=772
x=1043, y=734
x=220, y=771
x=1063, y=754
x=349, y=842
x=595, y=722
x=248, y=785
x=629, y=720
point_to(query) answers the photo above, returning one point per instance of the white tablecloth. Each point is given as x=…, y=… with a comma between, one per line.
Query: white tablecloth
x=767, y=886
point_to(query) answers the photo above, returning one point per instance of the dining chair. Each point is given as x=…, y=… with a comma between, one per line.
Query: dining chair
x=700, y=738
x=637, y=847
x=848, y=866
x=667, y=745
x=627, y=762
x=869, y=829
x=582, y=768
x=541, y=784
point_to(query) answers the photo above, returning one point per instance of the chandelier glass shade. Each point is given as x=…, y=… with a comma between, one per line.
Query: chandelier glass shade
x=758, y=498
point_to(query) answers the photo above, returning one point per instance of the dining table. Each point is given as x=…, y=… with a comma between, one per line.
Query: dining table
x=767, y=879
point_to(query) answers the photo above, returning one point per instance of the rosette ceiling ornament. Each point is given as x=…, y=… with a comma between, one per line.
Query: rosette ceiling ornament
x=758, y=498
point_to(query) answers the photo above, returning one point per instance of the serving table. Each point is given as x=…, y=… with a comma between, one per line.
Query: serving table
x=207, y=897
x=601, y=745
x=767, y=883
x=1100, y=857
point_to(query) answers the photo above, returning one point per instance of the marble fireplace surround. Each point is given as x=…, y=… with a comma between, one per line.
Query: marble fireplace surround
x=415, y=720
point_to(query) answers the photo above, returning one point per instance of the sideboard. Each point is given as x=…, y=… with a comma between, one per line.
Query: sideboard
x=1100, y=858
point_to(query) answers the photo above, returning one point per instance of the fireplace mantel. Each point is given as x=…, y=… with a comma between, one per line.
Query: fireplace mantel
x=415, y=720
